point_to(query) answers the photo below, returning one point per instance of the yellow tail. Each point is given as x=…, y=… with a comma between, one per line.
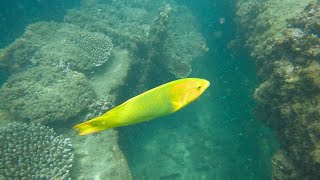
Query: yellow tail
x=92, y=126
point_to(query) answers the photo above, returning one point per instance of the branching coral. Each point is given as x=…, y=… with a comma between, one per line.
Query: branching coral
x=34, y=152
x=74, y=48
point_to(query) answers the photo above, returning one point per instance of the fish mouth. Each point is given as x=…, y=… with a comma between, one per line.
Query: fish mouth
x=206, y=84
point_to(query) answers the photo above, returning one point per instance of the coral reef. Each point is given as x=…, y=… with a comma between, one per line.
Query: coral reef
x=283, y=168
x=98, y=108
x=151, y=48
x=53, y=44
x=5, y=117
x=46, y=95
x=16, y=56
x=74, y=48
x=99, y=157
x=113, y=75
x=34, y=152
x=59, y=70
x=289, y=101
x=182, y=47
x=162, y=41
x=283, y=39
x=124, y=23
x=169, y=45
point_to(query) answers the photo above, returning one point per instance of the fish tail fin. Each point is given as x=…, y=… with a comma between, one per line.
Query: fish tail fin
x=92, y=126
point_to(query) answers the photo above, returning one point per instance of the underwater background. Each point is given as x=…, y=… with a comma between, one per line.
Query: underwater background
x=63, y=62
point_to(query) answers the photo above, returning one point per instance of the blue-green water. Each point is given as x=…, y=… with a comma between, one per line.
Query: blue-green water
x=3, y=76
x=221, y=134
x=216, y=137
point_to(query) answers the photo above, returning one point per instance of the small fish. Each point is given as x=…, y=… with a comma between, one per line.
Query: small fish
x=160, y=101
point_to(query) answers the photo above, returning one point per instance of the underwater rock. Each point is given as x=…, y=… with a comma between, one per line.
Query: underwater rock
x=308, y=20
x=59, y=45
x=182, y=48
x=169, y=45
x=283, y=41
x=282, y=167
x=46, y=95
x=98, y=156
x=265, y=28
x=16, y=56
x=113, y=75
x=124, y=23
x=162, y=40
x=34, y=152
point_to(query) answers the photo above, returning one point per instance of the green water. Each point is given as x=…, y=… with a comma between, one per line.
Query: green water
x=217, y=137
x=219, y=130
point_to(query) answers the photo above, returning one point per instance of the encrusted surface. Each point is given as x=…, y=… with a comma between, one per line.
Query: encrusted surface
x=283, y=40
x=46, y=95
x=62, y=45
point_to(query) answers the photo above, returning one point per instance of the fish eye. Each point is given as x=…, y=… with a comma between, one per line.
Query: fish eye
x=199, y=87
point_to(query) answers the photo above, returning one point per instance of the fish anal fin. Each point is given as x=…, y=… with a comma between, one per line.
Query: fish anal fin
x=92, y=126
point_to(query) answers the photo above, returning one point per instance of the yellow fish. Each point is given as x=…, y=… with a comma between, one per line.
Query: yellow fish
x=160, y=101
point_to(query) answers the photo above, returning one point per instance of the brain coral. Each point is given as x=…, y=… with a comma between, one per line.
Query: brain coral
x=46, y=95
x=34, y=152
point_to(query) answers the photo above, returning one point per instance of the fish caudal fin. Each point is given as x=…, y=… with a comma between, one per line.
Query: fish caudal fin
x=90, y=127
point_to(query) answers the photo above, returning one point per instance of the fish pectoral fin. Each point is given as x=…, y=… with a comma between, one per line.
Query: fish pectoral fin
x=176, y=106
